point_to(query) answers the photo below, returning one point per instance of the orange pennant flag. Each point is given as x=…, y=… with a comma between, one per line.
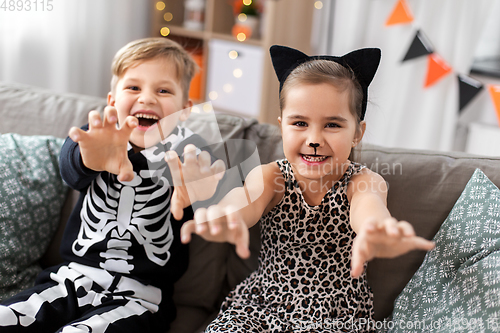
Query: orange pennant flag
x=495, y=96
x=436, y=69
x=400, y=15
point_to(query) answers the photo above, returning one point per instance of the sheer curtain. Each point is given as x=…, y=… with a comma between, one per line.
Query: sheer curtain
x=70, y=48
x=401, y=112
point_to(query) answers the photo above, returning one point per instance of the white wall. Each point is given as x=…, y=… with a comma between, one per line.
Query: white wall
x=68, y=48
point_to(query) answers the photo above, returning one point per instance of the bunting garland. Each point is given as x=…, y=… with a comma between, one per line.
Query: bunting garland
x=419, y=47
x=400, y=15
x=468, y=88
x=437, y=67
x=495, y=96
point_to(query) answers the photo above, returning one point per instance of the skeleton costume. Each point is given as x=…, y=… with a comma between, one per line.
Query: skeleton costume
x=121, y=248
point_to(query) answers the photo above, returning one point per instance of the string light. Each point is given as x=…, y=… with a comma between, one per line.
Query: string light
x=227, y=88
x=195, y=109
x=207, y=107
x=242, y=17
x=318, y=4
x=213, y=95
x=247, y=2
x=241, y=37
x=237, y=73
x=233, y=54
x=164, y=31
x=160, y=5
x=168, y=16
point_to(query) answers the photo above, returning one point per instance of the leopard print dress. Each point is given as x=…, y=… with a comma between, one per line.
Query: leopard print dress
x=303, y=282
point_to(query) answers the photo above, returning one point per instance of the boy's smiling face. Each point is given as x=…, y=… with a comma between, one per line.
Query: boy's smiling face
x=150, y=91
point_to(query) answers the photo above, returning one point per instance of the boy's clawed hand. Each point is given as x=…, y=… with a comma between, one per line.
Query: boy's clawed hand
x=384, y=239
x=194, y=180
x=219, y=224
x=104, y=146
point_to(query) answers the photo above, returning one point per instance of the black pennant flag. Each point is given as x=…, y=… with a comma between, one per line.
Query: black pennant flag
x=419, y=47
x=468, y=88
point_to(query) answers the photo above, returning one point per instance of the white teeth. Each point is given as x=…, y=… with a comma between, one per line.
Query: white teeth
x=314, y=159
x=146, y=116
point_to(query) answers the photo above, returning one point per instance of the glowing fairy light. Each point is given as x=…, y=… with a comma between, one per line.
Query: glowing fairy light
x=241, y=37
x=160, y=5
x=318, y=4
x=233, y=54
x=195, y=109
x=164, y=31
x=207, y=107
x=242, y=17
x=168, y=16
x=247, y=2
x=213, y=95
x=237, y=73
x=227, y=88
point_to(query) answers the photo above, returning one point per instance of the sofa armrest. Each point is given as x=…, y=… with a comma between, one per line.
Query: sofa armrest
x=423, y=187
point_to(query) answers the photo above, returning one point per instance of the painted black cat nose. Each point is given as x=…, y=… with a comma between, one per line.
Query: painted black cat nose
x=314, y=145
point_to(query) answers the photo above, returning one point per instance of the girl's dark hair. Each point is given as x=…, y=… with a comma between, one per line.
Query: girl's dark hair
x=325, y=71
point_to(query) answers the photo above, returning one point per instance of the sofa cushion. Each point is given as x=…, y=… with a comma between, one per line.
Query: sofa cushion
x=31, y=196
x=457, y=287
x=29, y=110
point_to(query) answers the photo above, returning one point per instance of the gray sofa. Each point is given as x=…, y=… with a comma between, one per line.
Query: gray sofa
x=423, y=187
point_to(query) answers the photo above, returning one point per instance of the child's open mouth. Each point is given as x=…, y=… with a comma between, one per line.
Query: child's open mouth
x=146, y=120
x=314, y=158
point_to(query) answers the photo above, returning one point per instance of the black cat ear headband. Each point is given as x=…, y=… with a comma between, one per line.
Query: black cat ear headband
x=363, y=63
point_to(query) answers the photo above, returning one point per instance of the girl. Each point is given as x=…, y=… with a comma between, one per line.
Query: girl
x=315, y=207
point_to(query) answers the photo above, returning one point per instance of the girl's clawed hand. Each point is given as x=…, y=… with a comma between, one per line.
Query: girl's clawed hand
x=194, y=180
x=388, y=238
x=219, y=224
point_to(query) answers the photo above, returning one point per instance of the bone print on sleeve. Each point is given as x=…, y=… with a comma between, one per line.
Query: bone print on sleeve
x=71, y=166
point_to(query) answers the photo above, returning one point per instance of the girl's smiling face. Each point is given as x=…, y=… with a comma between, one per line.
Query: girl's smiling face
x=151, y=92
x=318, y=115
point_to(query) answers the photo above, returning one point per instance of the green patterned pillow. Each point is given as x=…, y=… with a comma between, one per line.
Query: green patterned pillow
x=31, y=197
x=457, y=287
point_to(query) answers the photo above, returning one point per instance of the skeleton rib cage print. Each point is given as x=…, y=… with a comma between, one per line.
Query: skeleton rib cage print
x=119, y=212
x=123, y=223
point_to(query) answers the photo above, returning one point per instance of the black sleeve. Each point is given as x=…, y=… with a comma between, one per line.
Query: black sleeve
x=199, y=142
x=71, y=166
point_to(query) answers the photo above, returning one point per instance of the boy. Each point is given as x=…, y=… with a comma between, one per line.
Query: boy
x=121, y=245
